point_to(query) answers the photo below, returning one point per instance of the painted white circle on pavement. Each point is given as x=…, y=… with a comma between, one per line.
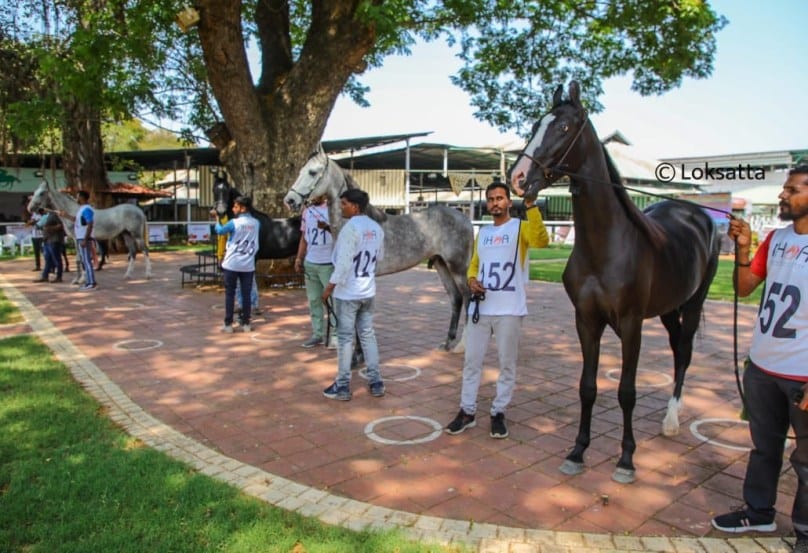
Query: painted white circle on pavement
x=125, y=307
x=363, y=372
x=275, y=337
x=694, y=429
x=614, y=376
x=131, y=345
x=437, y=430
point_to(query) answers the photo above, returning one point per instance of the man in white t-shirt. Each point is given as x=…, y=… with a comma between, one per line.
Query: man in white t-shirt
x=314, y=258
x=776, y=377
x=359, y=246
x=83, y=233
x=238, y=265
x=497, y=277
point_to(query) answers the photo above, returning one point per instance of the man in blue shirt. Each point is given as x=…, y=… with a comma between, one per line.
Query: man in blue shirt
x=238, y=265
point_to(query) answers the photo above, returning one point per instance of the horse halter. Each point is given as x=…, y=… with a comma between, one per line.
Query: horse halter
x=305, y=197
x=548, y=171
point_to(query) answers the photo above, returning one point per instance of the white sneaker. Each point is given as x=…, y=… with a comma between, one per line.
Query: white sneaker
x=227, y=329
x=246, y=328
x=332, y=343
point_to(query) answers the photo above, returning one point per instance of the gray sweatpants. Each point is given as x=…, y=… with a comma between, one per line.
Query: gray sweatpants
x=506, y=329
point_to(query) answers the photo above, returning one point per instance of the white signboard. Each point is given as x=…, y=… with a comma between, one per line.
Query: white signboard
x=198, y=233
x=158, y=233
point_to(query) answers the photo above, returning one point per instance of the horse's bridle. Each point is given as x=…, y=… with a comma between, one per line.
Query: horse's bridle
x=317, y=183
x=548, y=171
x=322, y=176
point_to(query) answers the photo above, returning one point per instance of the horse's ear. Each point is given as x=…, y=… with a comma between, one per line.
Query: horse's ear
x=557, y=95
x=575, y=94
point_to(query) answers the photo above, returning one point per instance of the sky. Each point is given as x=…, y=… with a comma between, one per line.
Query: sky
x=755, y=100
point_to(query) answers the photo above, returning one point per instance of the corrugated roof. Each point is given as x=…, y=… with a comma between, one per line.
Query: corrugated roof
x=765, y=194
x=430, y=157
x=155, y=160
x=632, y=164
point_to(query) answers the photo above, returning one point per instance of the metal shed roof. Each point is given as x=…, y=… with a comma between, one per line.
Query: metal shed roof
x=155, y=160
x=430, y=157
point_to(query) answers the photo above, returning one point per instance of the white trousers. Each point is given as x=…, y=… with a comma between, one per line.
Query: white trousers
x=506, y=329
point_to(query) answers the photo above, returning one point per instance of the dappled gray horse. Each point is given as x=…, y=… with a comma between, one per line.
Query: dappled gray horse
x=126, y=220
x=440, y=234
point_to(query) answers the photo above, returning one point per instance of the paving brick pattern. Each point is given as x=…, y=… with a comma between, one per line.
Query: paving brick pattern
x=248, y=409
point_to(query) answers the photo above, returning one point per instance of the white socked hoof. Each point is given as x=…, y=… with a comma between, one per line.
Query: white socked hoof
x=670, y=425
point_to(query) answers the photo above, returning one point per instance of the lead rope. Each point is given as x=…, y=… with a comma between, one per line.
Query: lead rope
x=475, y=314
x=329, y=307
x=744, y=411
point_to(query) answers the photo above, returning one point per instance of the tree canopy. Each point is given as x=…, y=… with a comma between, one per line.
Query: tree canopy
x=127, y=57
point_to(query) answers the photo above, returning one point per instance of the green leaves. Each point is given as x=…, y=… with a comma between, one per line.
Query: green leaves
x=518, y=52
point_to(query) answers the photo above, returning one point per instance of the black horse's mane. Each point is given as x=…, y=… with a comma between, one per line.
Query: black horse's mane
x=649, y=227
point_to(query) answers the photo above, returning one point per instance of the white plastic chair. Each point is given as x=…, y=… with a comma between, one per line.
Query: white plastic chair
x=27, y=242
x=8, y=242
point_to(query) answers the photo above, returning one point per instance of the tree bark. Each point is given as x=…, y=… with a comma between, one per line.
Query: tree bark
x=84, y=152
x=273, y=126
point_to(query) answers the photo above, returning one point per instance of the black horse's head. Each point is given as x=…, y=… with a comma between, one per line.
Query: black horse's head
x=223, y=195
x=551, y=142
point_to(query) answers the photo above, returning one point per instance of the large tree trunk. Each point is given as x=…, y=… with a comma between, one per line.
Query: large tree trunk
x=84, y=152
x=272, y=127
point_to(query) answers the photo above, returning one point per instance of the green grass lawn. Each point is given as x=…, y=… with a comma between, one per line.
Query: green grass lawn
x=72, y=481
x=9, y=314
x=551, y=262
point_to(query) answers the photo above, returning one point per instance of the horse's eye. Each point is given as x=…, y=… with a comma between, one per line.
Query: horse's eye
x=564, y=127
x=312, y=173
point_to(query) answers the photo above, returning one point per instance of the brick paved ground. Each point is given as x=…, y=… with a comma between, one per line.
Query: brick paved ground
x=248, y=408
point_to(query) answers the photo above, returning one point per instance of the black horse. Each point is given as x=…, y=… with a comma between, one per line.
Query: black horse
x=278, y=238
x=626, y=265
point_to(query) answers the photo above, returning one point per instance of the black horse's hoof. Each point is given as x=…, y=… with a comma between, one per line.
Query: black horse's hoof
x=623, y=476
x=571, y=468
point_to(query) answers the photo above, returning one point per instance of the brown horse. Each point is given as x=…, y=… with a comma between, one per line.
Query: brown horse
x=626, y=265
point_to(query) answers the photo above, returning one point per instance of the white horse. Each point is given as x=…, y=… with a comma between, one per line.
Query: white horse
x=125, y=219
x=441, y=234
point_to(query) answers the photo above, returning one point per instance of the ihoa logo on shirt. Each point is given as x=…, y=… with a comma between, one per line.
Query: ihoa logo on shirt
x=497, y=240
x=789, y=252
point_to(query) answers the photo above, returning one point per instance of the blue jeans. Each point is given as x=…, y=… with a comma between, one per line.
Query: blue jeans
x=86, y=255
x=245, y=280
x=53, y=259
x=358, y=315
x=253, y=294
x=771, y=412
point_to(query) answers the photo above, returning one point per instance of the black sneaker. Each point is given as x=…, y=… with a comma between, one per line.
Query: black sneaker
x=311, y=342
x=340, y=393
x=460, y=423
x=744, y=520
x=377, y=389
x=498, y=428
